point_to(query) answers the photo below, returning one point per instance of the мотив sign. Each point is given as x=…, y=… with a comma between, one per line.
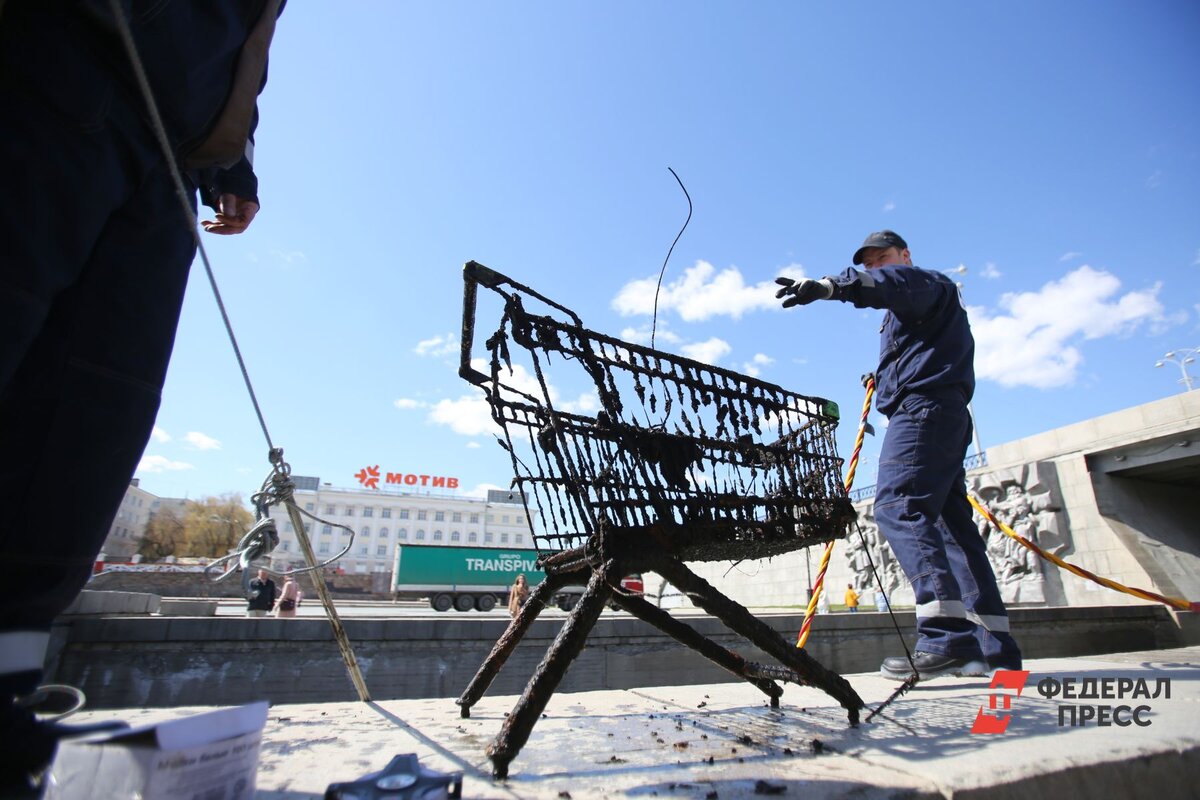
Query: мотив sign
x=369, y=477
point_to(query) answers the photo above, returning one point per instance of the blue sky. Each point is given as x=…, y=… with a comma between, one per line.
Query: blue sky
x=1052, y=149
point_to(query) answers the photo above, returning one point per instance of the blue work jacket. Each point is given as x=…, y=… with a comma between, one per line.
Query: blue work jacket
x=926, y=344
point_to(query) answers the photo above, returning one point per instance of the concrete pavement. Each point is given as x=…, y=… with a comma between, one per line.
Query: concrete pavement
x=724, y=741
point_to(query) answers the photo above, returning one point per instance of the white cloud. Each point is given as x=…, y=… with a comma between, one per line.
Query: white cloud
x=290, y=257
x=471, y=415
x=642, y=336
x=1196, y=262
x=473, y=445
x=405, y=403
x=482, y=489
x=586, y=403
x=990, y=271
x=754, y=366
x=437, y=346
x=1035, y=341
x=201, y=441
x=702, y=293
x=1155, y=180
x=889, y=206
x=159, y=435
x=161, y=464
x=709, y=351
x=1071, y=256
x=1161, y=324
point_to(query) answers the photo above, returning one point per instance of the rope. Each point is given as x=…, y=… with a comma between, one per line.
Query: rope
x=263, y=536
x=811, y=612
x=819, y=585
x=1174, y=602
x=259, y=536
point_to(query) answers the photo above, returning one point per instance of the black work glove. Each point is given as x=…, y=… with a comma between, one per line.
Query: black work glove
x=803, y=291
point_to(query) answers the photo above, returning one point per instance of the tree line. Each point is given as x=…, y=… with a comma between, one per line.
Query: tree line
x=209, y=527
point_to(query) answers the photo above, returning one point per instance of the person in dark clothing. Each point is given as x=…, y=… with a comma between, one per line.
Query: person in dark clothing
x=261, y=598
x=95, y=258
x=925, y=379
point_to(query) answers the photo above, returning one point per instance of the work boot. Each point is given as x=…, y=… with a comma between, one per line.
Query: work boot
x=932, y=665
x=25, y=750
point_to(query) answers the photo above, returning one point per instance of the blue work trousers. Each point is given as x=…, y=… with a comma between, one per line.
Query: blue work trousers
x=922, y=510
x=94, y=258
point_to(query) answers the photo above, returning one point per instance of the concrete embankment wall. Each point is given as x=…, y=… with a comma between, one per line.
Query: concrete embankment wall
x=165, y=661
x=195, y=584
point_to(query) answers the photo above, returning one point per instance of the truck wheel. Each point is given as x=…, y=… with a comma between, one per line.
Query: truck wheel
x=441, y=602
x=567, y=602
x=464, y=602
x=485, y=602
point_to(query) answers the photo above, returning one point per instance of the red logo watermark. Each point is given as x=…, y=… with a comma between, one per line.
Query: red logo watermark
x=1004, y=679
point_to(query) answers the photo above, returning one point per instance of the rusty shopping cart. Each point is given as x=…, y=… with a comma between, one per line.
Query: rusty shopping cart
x=679, y=461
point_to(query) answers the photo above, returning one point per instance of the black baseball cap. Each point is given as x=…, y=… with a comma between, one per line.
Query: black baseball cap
x=884, y=239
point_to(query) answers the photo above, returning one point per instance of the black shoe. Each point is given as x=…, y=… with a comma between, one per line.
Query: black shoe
x=25, y=750
x=932, y=665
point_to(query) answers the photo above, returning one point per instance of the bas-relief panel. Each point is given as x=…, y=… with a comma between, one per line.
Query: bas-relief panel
x=1027, y=498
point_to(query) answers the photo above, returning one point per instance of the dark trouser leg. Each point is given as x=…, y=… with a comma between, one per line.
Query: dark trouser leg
x=58, y=173
x=967, y=551
x=920, y=460
x=78, y=411
x=94, y=256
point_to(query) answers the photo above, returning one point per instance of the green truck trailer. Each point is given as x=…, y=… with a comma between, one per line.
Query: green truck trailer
x=465, y=578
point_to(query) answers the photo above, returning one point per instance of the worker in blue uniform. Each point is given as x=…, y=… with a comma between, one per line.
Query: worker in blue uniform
x=95, y=255
x=925, y=379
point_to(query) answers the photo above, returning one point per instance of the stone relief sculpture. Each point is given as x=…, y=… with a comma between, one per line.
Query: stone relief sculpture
x=1027, y=498
x=895, y=585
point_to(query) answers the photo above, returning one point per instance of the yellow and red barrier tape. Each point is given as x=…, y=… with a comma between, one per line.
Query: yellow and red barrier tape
x=819, y=583
x=1174, y=602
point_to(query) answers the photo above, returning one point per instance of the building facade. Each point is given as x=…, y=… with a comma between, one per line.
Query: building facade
x=372, y=522
x=129, y=525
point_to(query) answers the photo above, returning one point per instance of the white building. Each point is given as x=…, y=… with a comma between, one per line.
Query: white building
x=129, y=526
x=383, y=518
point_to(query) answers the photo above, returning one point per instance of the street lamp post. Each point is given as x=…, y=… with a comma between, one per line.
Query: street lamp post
x=1181, y=358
